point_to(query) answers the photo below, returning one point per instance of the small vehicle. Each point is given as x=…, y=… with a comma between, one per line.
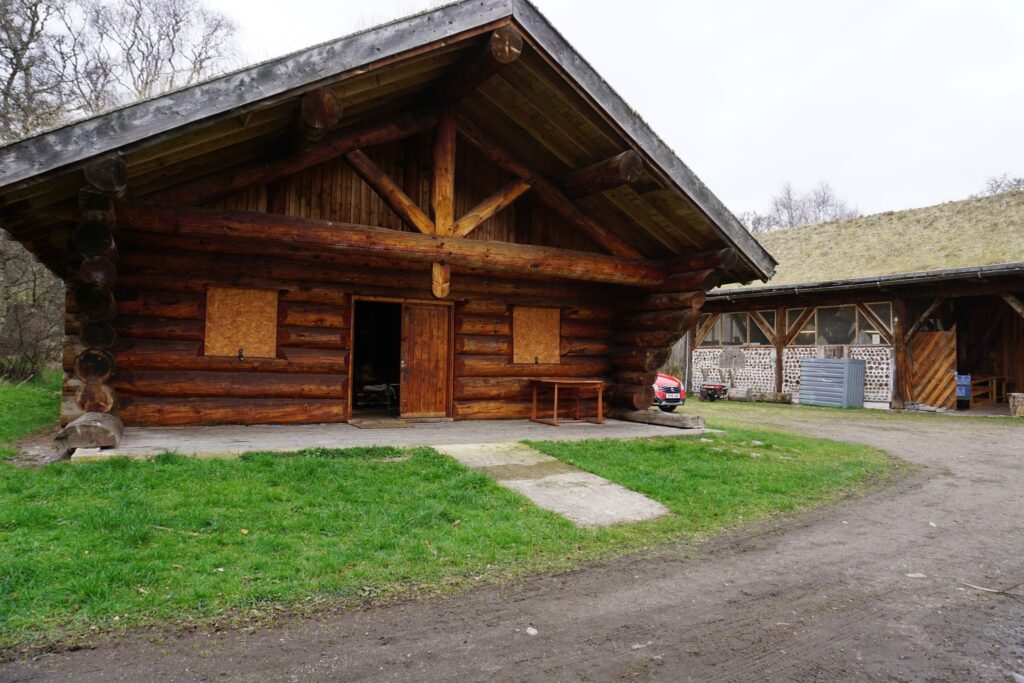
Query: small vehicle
x=668, y=392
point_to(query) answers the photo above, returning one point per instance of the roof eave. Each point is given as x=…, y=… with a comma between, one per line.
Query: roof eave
x=155, y=119
x=872, y=282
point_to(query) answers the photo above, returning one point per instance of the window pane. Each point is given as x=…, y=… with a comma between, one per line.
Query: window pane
x=837, y=325
x=756, y=335
x=734, y=328
x=792, y=315
x=804, y=339
x=883, y=311
x=714, y=337
x=867, y=334
x=769, y=317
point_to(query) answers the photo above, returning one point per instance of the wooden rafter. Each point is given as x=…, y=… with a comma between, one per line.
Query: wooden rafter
x=372, y=241
x=390, y=192
x=503, y=46
x=489, y=207
x=546, y=191
x=924, y=317
x=615, y=171
x=330, y=147
x=878, y=324
x=1014, y=303
x=769, y=330
x=319, y=112
x=798, y=325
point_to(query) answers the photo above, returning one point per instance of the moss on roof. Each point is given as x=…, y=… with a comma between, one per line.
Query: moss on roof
x=973, y=232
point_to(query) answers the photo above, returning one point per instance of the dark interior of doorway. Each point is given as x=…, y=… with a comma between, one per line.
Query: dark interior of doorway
x=376, y=359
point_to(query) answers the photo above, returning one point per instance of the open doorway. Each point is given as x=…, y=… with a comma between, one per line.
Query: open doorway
x=376, y=359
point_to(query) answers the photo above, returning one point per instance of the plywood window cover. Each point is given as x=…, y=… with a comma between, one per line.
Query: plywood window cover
x=536, y=335
x=243, y=319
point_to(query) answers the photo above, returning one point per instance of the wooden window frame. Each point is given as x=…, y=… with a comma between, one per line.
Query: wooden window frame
x=751, y=320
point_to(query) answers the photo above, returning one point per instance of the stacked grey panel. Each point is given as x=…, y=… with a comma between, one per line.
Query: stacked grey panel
x=836, y=383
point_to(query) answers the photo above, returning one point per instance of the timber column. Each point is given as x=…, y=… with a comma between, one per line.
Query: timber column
x=93, y=285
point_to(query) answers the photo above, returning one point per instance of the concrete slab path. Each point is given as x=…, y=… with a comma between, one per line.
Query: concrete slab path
x=584, y=498
x=226, y=440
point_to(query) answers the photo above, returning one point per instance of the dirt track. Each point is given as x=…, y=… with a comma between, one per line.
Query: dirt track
x=825, y=596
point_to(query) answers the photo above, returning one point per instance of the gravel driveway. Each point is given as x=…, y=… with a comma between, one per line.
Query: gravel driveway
x=870, y=589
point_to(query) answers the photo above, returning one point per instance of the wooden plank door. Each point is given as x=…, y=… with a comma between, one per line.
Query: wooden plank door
x=933, y=356
x=425, y=357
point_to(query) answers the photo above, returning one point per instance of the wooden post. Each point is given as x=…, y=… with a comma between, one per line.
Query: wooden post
x=902, y=384
x=780, y=347
x=443, y=195
x=440, y=280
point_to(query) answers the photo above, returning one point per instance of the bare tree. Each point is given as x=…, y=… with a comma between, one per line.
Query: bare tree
x=790, y=208
x=153, y=46
x=1000, y=183
x=32, y=90
x=31, y=313
x=60, y=59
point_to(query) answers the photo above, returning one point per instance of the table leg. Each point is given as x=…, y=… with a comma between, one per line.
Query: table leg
x=554, y=419
x=600, y=407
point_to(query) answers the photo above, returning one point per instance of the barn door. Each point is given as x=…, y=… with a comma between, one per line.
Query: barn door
x=425, y=357
x=933, y=355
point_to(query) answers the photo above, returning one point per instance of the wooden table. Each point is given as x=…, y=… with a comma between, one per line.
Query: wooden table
x=567, y=383
x=987, y=389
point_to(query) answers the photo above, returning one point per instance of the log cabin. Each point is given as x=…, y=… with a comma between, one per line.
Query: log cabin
x=416, y=218
x=929, y=298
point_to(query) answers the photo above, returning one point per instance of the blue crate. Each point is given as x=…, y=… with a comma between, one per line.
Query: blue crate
x=963, y=387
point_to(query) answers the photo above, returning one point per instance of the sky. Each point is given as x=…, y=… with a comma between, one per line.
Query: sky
x=895, y=103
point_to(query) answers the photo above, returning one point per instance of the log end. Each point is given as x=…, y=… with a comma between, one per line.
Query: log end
x=506, y=44
x=91, y=430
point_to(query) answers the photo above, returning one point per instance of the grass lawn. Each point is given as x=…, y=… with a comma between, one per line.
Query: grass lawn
x=27, y=408
x=89, y=548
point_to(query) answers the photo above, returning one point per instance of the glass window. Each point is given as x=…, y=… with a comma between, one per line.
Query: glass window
x=734, y=328
x=866, y=332
x=837, y=325
x=769, y=317
x=757, y=336
x=792, y=315
x=883, y=311
x=714, y=337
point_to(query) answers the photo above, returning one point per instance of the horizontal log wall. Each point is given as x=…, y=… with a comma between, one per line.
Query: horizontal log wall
x=488, y=385
x=164, y=378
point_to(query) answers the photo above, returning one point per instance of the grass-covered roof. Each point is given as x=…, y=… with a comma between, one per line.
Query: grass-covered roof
x=973, y=232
